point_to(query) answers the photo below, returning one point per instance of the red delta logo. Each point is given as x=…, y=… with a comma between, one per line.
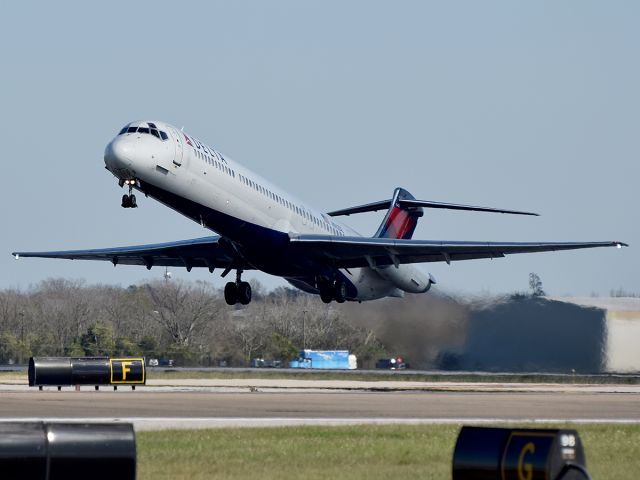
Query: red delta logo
x=188, y=140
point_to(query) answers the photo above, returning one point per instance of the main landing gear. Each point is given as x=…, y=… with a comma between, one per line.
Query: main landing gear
x=129, y=201
x=329, y=291
x=238, y=291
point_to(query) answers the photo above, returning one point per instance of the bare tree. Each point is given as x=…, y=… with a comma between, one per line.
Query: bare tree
x=63, y=310
x=183, y=309
x=535, y=284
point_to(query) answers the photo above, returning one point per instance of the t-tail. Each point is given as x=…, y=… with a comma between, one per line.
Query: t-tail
x=401, y=220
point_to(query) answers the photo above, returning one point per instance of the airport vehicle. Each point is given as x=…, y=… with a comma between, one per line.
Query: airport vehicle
x=325, y=359
x=262, y=227
x=262, y=363
x=392, y=364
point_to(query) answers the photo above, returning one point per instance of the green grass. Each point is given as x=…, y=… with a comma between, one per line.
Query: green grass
x=370, y=376
x=377, y=376
x=14, y=376
x=360, y=452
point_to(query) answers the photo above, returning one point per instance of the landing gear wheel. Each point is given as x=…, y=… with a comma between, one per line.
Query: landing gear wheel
x=231, y=293
x=340, y=291
x=244, y=293
x=238, y=291
x=128, y=201
x=326, y=292
x=326, y=297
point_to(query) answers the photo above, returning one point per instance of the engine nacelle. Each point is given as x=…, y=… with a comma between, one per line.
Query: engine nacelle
x=407, y=278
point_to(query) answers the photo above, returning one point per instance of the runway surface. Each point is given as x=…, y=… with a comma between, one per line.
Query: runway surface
x=192, y=404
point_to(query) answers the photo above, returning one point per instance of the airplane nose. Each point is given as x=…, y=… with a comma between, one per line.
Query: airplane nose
x=119, y=153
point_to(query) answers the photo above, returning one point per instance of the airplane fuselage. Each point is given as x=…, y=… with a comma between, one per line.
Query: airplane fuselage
x=254, y=217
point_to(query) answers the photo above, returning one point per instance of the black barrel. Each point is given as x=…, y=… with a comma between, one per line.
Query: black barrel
x=70, y=451
x=50, y=371
x=515, y=454
x=96, y=451
x=23, y=451
x=90, y=371
x=58, y=371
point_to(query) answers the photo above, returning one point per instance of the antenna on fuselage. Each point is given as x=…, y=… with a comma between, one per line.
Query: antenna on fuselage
x=167, y=274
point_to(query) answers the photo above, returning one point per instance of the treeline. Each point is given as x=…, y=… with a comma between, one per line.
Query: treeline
x=188, y=322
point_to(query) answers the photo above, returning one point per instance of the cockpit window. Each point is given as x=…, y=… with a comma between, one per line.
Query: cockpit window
x=159, y=134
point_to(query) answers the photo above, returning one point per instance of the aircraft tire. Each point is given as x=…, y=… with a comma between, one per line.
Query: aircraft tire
x=244, y=293
x=125, y=201
x=231, y=293
x=340, y=291
x=132, y=201
x=326, y=292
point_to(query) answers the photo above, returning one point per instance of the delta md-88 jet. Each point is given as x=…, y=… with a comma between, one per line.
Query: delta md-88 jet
x=261, y=227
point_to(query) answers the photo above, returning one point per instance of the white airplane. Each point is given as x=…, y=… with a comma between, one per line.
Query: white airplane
x=262, y=227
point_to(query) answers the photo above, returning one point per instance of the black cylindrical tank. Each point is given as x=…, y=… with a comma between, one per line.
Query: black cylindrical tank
x=69, y=451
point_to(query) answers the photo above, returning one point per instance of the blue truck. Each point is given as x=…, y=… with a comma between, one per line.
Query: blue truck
x=325, y=359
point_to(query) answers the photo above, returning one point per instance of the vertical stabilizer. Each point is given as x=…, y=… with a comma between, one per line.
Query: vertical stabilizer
x=399, y=222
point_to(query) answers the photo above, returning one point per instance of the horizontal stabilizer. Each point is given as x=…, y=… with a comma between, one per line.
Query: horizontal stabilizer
x=385, y=204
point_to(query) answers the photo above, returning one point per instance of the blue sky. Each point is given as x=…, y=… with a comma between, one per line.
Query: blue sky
x=530, y=106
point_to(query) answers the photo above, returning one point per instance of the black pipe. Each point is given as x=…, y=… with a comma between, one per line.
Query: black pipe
x=69, y=451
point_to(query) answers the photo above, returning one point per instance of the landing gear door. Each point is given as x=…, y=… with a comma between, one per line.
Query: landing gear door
x=179, y=144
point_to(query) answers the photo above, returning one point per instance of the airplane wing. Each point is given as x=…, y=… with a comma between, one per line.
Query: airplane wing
x=353, y=252
x=199, y=252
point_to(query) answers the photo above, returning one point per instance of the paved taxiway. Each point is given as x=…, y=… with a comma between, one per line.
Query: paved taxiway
x=189, y=404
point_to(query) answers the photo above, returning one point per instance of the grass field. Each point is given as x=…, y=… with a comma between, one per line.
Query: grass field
x=384, y=375
x=371, y=376
x=361, y=452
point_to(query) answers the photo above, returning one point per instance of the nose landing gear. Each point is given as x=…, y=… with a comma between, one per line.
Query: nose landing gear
x=237, y=291
x=129, y=201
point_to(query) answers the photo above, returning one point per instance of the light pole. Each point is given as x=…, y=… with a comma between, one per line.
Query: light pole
x=304, y=333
